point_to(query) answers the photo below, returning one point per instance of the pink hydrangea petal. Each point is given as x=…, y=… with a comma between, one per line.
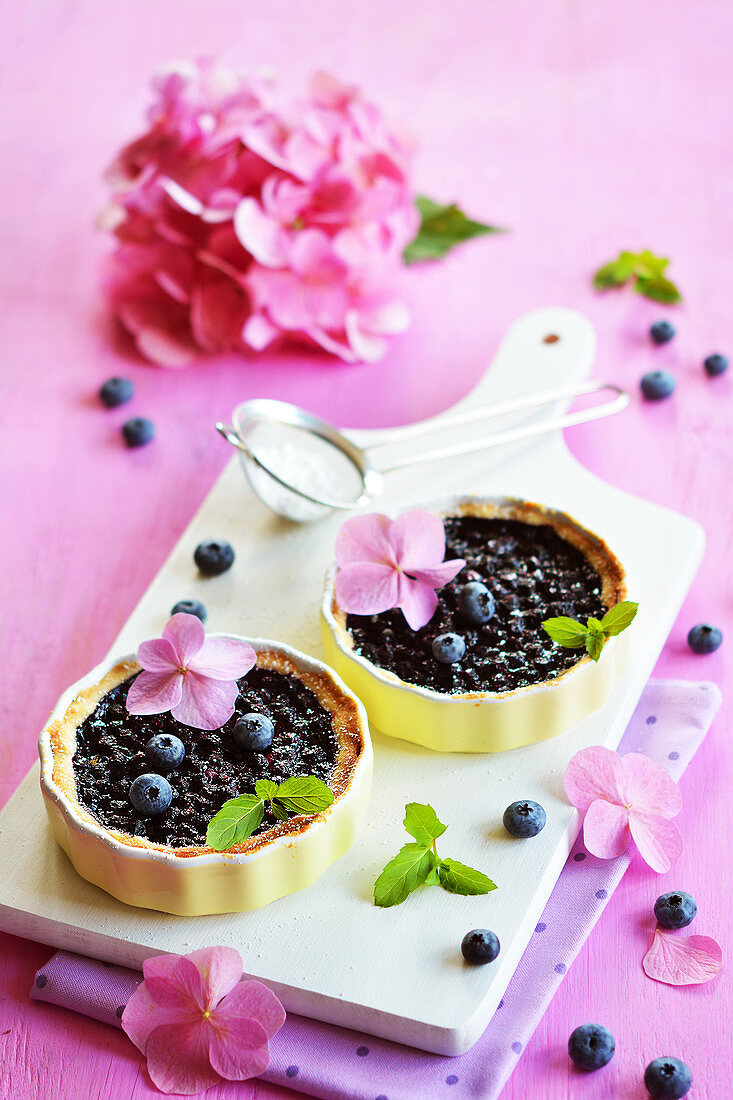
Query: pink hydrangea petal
x=259, y=332
x=649, y=788
x=219, y=308
x=439, y=575
x=178, y=1058
x=163, y=348
x=418, y=537
x=365, y=588
x=259, y=234
x=205, y=704
x=174, y=982
x=365, y=538
x=606, y=829
x=594, y=773
x=367, y=347
x=682, y=960
x=154, y=692
x=220, y=969
x=158, y=655
x=254, y=1000
x=223, y=659
x=330, y=344
x=186, y=634
x=658, y=840
x=238, y=1046
x=142, y=1015
x=388, y=319
x=417, y=602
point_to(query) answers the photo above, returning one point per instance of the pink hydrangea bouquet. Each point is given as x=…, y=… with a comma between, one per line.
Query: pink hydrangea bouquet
x=242, y=218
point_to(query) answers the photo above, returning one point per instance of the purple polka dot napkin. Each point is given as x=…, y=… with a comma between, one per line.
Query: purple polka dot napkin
x=320, y=1060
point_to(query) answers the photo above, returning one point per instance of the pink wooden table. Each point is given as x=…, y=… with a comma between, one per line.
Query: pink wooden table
x=584, y=127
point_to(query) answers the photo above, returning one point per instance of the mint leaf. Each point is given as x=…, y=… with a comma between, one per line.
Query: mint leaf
x=594, y=645
x=265, y=788
x=456, y=878
x=647, y=271
x=278, y=810
x=443, y=226
x=304, y=794
x=616, y=273
x=659, y=289
x=403, y=874
x=594, y=626
x=422, y=822
x=236, y=821
x=567, y=632
x=618, y=618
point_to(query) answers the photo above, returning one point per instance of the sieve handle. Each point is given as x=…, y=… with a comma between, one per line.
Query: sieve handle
x=513, y=435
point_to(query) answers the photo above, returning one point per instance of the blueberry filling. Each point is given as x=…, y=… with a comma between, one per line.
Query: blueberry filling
x=532, y=573
x=111, y=753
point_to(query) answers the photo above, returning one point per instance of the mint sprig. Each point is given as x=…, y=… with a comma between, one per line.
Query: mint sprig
x=443, y=226
x=418, y=864
x=572, y=634
x=647, y=271
x=239, y=817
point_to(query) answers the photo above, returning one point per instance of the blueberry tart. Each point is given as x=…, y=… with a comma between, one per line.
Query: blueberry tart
x=129, y=796
x=482, y=674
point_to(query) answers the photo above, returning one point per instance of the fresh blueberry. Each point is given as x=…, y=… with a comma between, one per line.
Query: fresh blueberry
x=213, y=558
x=116, y=391
x=591, y=1046
x=448, y=648
x=150, y=794
x=190, y=607
x=662, y=332
x=668, y=1078
x=480, y=946
x=675, y=909
x=138, y=431
x=475, y=602
x=165, y=752
x=524, y=819
x=658, y=384
x=705, y=638
x=254, y=732
x=716, y=364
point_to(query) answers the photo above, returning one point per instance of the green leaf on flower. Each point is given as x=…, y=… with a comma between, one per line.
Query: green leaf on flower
x=647, y=271
x=304, y=794
x=459, y=879
x=236, y=821
x=566, y=632
x=443, y=226
x=421, y=821
x=618, y=618
x=265, y=788
x=403, y=874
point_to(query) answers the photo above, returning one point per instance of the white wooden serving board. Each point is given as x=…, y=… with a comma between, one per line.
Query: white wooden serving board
x=328, y=952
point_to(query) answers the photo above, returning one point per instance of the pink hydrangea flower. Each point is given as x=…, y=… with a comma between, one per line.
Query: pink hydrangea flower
x=242, y=219
x=625, y=798
x=192, y=676
x=196, y=1021
x=385, y=563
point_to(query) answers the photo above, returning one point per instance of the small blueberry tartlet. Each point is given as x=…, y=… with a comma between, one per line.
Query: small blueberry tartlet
x=436, y=621
x=131, y=791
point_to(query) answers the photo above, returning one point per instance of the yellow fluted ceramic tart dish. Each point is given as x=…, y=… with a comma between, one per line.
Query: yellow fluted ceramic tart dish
x=513, y=685
x=94, y=750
